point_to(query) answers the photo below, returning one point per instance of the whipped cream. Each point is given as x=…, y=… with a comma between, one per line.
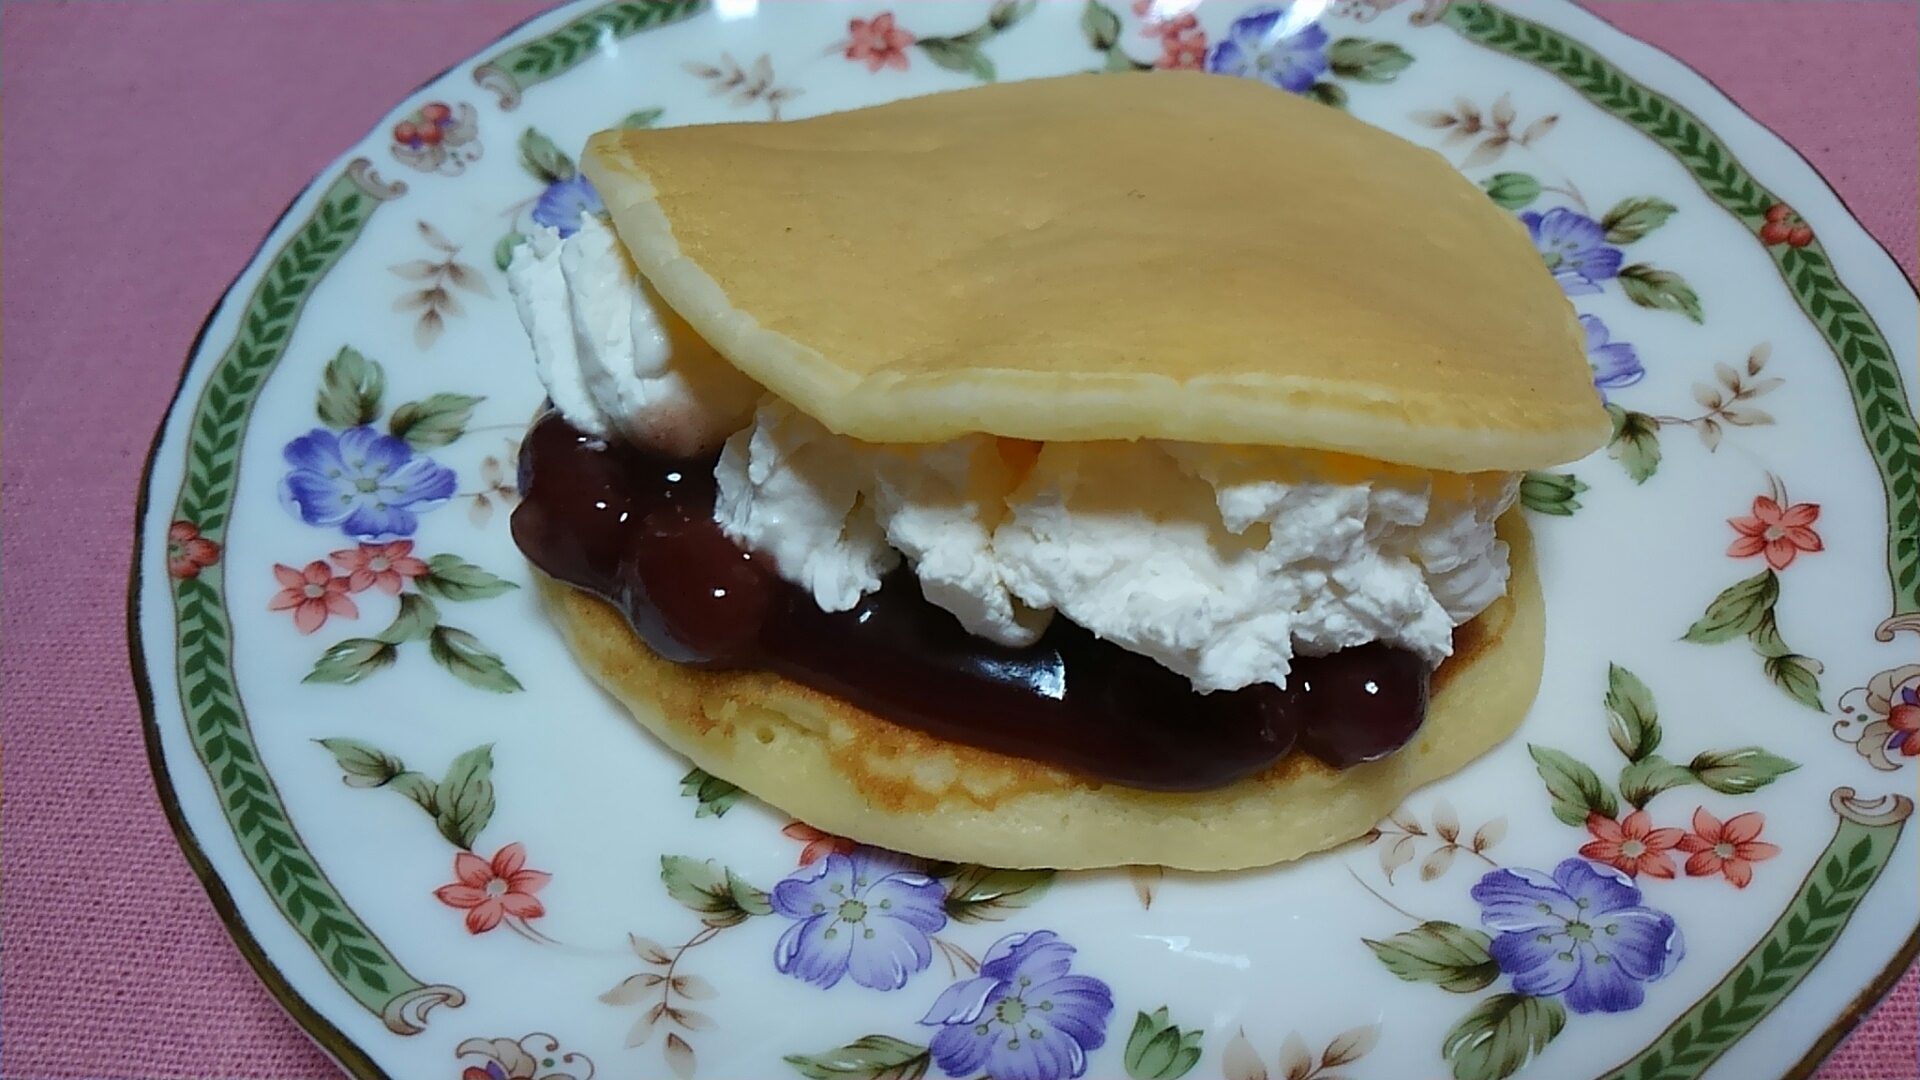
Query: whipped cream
x=1219, y=562
x=615, y=359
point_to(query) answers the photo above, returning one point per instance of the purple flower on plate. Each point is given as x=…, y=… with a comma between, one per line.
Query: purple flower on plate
x=1275, y=45
x=1024, y=1017
x=373, y=486
x=864, y=915
x=1614, y=363
x=561, y=205
x=1581, y=932
x=1574, y=247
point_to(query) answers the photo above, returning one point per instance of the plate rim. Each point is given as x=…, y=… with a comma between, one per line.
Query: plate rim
x=329, y=1038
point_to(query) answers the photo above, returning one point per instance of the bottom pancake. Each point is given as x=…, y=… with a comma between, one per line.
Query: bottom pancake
x=854, y=774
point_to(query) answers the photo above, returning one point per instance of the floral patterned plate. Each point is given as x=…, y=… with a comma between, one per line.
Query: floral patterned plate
x=449, y=856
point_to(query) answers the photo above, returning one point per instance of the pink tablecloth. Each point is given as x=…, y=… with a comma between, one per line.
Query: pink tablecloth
x=148, y=149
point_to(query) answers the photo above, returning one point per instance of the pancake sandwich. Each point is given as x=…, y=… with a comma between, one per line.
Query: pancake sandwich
x=1080, y=472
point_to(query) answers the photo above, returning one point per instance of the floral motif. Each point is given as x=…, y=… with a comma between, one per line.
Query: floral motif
x=878, y=42
x=494, y=890
x=1783, y=226
x=386, y=567
x=372, y=486
x=188, y=552
x=1274, y=45
x=1024, y=1017
x=1614, y=363
x=1781, y=533
x=313, y=595
x=1183, y=44
x=1892, y=698
x=1729, y=848
x=818, y=844
x=1581, y=932
x=434, y=300
x=747, y=85
x=561, y=205
x=863, y=915
x=1575, y=248
x=1631, y=845
x=536, y=1057
x=438, y=137
x=1465, y=121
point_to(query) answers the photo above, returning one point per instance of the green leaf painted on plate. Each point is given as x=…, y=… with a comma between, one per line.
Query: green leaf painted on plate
x=1576, y=790
x=870, y=1057
x=1367, y=61
x=1452, y=957
x=958, y=54
x=450, y=577
x=365, y=765
x=348, y=661
x=350, y=390
x=415, y=621
x=1101, y=25
x=1158, y=1050
x=1501, y=1035
x=1551, y=493
x=1005, y=14
x=1741, y=771
x=1631, y=219
x=503, y=250
x=1737, y=611
x=466, y=797
x=714, y=795
x=1797, y=676
x=1511, y=190
x=1632, y=721
x=547, y=162
x=1635, y=442
x=642, y=118
x=1661, y=290
x=1646, y=777
x=471, y=662
x=433, y=421
x=719, y=896
x=1327, y=93
x=984, y=894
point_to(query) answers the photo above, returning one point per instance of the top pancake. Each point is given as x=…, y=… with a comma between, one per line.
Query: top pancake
x=1154, y=255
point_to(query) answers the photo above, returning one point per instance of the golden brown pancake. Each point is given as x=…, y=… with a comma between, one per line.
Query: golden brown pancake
x=1155, y=255
x=855, y=774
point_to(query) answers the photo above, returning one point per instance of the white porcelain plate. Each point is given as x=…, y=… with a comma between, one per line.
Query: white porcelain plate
x=450, y=856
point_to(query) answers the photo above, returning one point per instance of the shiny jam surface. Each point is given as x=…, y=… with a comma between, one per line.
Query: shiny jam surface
x=637, y=530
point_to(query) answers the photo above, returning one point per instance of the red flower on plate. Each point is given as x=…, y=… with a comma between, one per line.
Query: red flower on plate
x=1730, y=848
x=1631, y=845
x=494, y=890
x=1782, y=533
x=188, y=552
x=383, y=566
x=313, y=595
x=1183, y=45
x=1785, y=227
x=819, y=844
x=878, y=42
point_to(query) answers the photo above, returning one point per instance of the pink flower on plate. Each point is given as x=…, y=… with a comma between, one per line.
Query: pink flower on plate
x=383, y=566
x=819, y=844
x=1631, y=845
x=494, y=890
x=1730, y=849
x=188, y=552
x=878, y=42
x=313, y=595
x=1781, y=533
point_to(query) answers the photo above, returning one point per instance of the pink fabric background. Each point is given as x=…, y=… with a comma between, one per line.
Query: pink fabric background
x=149, y=148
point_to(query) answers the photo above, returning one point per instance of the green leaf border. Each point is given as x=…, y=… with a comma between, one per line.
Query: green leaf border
x=509, y=73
